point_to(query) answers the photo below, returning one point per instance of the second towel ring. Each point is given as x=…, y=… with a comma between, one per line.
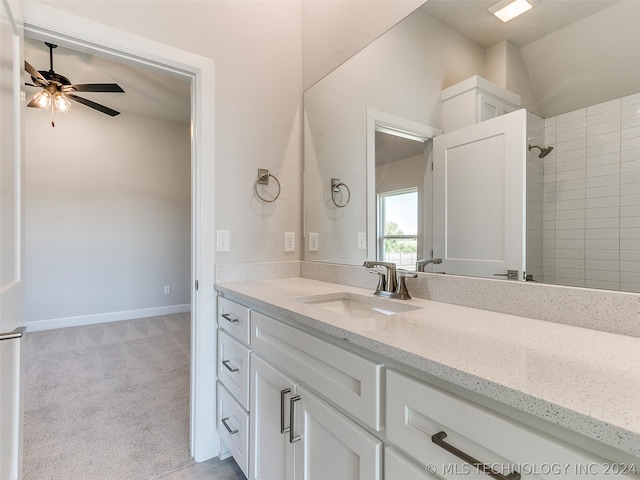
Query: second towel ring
x=336, y=184
x=263, y=179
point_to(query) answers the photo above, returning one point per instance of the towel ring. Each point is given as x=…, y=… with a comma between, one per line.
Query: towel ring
x=336, y=185
x=263, y=179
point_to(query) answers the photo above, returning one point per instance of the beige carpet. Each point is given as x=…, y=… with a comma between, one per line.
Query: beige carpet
x=108, y=401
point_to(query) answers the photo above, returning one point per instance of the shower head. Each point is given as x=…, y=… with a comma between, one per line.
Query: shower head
x=544, y=151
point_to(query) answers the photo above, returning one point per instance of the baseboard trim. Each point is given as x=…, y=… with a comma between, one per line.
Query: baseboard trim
x=81, y=320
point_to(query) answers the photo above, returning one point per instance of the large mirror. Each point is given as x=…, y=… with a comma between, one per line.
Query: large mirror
x=370, y=127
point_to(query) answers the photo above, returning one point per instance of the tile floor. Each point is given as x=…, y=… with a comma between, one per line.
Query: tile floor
x=213, y=469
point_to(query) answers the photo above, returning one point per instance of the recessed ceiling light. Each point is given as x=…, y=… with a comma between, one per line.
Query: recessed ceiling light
x=509, y=9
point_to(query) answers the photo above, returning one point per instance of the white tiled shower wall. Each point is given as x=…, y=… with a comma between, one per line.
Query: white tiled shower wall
x=590, y=197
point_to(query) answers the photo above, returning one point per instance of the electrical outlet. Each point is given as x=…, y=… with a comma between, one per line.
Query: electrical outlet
x=223, y=240
x=167, y=290
x=289, y=242
x=362, y=241
x=313, y=242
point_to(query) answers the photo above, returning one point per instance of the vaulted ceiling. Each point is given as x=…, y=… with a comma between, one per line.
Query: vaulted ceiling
x=576, y=52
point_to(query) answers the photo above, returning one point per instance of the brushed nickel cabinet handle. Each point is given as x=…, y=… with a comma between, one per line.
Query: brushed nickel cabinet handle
x=438, y=439
x=292, y=418
x=228, y=316
x=283, y=393
x=224, y=422
x=17, y=333
x=228, y=367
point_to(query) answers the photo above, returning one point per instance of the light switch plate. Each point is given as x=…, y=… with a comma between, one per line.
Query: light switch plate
x=289, y=241
x=223, y=240
x=362, y=241
x=313, y=242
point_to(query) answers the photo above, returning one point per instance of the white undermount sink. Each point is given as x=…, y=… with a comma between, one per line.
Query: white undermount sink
x=357, y=306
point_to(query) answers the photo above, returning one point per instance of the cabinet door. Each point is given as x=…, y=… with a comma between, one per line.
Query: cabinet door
x=329, y=445
x=488, y=108
x=271, y=452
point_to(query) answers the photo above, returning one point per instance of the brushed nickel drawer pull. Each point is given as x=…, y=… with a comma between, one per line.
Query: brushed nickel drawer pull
x=438, y=439
x=283, y=393
x=228, y=316
x=231, y=369
x=17, y=333
x=224, y=422
x=292, y=418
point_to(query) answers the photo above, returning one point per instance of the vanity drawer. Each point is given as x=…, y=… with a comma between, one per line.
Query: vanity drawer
x=234, y=319
x=399, y=467
x=350, y=381
x=233, y=427
x=417, y=411
x=233, y=367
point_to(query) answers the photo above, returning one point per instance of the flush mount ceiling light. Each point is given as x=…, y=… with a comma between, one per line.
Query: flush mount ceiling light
x=56, y=90
x=509, y=9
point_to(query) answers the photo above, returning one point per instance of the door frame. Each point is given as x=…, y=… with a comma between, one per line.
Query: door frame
x=84, y=35
x=402, y=127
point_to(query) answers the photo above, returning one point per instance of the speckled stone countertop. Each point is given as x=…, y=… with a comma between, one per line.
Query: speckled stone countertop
x=584, y=380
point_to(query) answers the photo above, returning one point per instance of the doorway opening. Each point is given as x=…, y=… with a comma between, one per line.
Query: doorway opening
x=45, y=23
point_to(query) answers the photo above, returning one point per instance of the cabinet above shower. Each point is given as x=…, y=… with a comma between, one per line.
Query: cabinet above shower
x=474, y=100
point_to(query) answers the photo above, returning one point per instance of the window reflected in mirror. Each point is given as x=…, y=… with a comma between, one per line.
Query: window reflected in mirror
x=398, y=227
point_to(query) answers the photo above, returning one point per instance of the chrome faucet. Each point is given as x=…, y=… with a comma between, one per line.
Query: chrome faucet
x=420, y=264
x=391, y=283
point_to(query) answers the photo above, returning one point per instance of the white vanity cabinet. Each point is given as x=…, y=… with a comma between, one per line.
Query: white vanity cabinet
x=398, y=466
x=294, y=433
x=328, y=445
x=233, y=427
x=475, y=100
x=271, y=451
x=449, y=434
x=234, y=357
x=320, y=408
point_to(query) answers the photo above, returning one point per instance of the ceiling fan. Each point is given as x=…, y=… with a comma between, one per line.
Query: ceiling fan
x=57, y=90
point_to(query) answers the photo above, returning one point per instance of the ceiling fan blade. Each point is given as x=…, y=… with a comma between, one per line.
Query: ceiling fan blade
x=35, y=74
x=97, y=106
x=94, y=87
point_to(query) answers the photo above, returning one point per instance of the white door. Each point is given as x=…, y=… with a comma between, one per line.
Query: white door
x=11, y=285
x=479, y=198
x=328, y=445
x=270, y=449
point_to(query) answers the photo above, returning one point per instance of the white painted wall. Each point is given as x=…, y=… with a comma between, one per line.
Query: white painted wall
x=506, y=69
x=256, y=46
x=334, y=31
x=107, y=216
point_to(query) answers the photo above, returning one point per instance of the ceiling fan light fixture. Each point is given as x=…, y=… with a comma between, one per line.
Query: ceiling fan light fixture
x=61, y=102
x=509, y=9
x=42, y=99
x=55, y=93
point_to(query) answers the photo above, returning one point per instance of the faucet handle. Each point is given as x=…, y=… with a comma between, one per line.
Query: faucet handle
x=382, y=280
x=401, y=290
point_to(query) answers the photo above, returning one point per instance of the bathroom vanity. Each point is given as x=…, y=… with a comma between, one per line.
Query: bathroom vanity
x=320, y=380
